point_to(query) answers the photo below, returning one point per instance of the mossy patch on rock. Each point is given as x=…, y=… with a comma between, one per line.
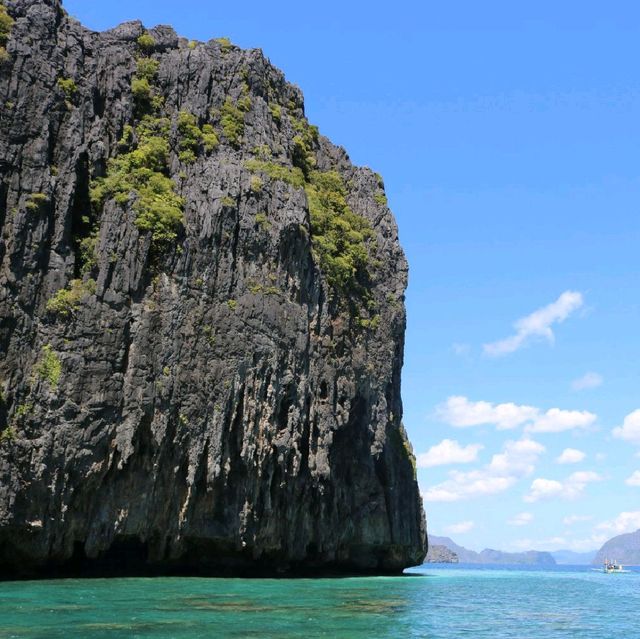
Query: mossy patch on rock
x=36, y=201
x=69, y=89
x=67, y=300
x=141, y=175
x=6, y=23
x=49, y=368
x=146, y=42
x=232, y=122
x=338, y=235
x=191, y=137
x=291, y=175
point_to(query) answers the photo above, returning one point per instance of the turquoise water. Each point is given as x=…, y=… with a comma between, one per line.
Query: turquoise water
x=434, y=602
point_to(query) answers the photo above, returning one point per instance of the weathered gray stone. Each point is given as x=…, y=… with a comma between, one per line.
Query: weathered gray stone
x=439, y=554
x=217, y=409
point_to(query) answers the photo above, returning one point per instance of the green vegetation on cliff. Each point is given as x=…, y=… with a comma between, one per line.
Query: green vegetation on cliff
x=7, y=435
x=293, y=176
x=67, y=300
x=69, y=88
x=232, y=119
x=146, y=42
x=147, y=69
x=224, y=43
x=36, y=201
x=304, y=143
x=49, y=368
x=142, y=172
x=191, y=136
x=146, y=97
x=6, y=22
x=141, y=169
x=338, y=235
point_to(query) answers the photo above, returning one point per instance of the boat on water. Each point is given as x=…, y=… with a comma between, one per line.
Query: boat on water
x=613, y=567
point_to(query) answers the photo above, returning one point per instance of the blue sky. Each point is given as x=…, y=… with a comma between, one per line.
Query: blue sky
x=508, y=138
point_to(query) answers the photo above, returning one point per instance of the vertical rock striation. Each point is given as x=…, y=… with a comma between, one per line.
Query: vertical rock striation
x=201, y=317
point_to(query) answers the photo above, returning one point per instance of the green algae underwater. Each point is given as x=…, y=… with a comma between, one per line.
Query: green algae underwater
x=432, y=602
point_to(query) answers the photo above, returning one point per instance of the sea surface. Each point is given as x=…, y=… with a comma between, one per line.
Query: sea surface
x=432, y=601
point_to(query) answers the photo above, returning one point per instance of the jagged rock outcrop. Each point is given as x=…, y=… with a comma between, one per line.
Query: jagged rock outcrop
x=201, y=317
x=439, y=554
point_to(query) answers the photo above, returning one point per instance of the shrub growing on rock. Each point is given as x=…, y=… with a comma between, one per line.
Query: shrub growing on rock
x=338, y=235
x=141, y=174
x=49, y=368
x=67, y=300
x=146, y=42
x=6, y=23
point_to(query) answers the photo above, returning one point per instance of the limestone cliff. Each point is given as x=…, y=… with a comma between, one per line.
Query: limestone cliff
x=624, y=549
x=439, y=554
x=201, y=316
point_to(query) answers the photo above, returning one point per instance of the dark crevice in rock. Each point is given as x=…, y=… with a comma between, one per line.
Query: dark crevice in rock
x=81, y=222
x=99, y=102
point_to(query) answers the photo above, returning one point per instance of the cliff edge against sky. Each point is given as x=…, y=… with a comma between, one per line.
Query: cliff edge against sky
x=201, y=316
x=621, y=548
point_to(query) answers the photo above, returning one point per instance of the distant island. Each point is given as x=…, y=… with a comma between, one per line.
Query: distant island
x=623, y=548
x=440, y=554
x=487, y=556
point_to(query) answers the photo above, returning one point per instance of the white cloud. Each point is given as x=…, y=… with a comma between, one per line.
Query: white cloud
x=571, y=488
x=556, y=420
x=634, y=480
x=587, y=381
x=517, y=460
x=544, y=488
x=460, y=528
x=538, y=324
x=570, y=456
x=630, y=429
x=625, y=522
x=521, y=519
x=449, y=451
x=574, y=519
x=467, y=485
x=458, y=411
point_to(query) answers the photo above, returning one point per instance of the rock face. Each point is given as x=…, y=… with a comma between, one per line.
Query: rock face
x=201, y=317
x=622, y=548
x=439, y=554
